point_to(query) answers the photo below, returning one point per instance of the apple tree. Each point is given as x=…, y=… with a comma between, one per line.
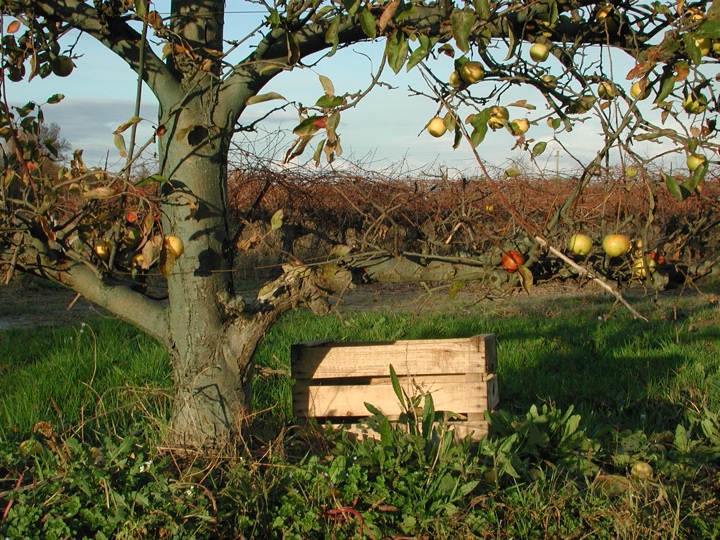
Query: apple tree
x=94, y=231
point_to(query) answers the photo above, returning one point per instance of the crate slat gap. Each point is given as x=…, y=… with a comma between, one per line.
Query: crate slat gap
x=333, y=381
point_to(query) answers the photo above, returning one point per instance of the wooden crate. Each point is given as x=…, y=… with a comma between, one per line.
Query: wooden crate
x=333, y=381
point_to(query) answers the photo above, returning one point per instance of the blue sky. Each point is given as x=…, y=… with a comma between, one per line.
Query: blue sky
x=385, y=129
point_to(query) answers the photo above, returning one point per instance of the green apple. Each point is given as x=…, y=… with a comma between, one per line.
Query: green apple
x=616, y=244
x=694, y=161
x=519, y=126
x=499, y=115
x=607, y=90
x=580, y=244
x=549, y=80
x=695, y=103
x=472, y=72
x=631, y=171
x=456, y=80
x=639, y=90
x=539, y=52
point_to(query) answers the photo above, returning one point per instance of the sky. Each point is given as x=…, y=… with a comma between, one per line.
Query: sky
x=384, y=130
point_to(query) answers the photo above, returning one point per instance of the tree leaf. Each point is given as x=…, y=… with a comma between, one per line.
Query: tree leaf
x=152, y=179
x=261, y=98
x=698, y=174
x=526, y=278
x=538, y=149
x=327, y=85
x=329, y=102
x=368, y=24
x=667, y=83
x=140, y=8
x=331, y=36
x=387, y=14
x=119, y=142
x=123, y=127
x=396, y=50
x=461, y=21
x=512, y=172
x=308, y=126
x=276, y=220
x=672, y=186
x=55, y=98
x=709, y=28
x=416, y=57
x=524, y=104
x=482, y=8
x=691, y=48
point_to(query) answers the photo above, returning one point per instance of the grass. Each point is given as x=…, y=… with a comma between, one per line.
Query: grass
x=583, y=397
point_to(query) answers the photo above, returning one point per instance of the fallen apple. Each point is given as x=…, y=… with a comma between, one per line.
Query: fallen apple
x=580, y=244
x=641, y=470
x=616, y=244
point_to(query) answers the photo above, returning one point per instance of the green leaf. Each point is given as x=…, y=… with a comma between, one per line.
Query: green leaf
x=428, y=416
x=396, y=386
x=692, y=50
x=455, y=288
x=416, y=57
x=672, y=186
x=307, y=126
x=386, y=433
x=119, y=142
x=708, y=29
x=396, y=50
x=512, y=172
x=368, y=24
x=462, y=21
x=327, y=85
x=261, y=98
x=123, y=127
x=55, y=98
x=372, y=409
x=318, y=152
x=331, y=36
x=329, y=102
x=698, y=174
x=538, y=149
x=482, y=8
x=140, y=8
x=152, y=179
x=667, y=83
x=681, y=441
x=276, y=220
x=479, y=123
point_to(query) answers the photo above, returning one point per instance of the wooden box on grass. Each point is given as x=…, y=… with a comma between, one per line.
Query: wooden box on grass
x=333, y=381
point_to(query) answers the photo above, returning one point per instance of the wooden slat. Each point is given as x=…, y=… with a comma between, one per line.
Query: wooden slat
x=476, y=430
x=413, y=357
x=349, y=400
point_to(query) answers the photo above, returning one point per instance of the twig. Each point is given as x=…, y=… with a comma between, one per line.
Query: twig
x=585, y=272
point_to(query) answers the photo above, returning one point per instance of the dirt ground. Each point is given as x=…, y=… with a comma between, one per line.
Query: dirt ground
x=40, y=304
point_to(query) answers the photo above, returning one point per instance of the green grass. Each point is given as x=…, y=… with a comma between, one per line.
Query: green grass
x=582, y=397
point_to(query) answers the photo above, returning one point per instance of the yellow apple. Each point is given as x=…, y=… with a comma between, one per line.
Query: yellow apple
x=472, y=72
x=643, y=267
x=456, y=80
x=616, y=244
x=639, y=90
x=436, y=127
x=539, y=52
x=602, y=13
x=694, y=161
x=631, y=171
x=549, y=80
x=102, y=249
x=519, y=126
x=695, y=103
x=716, y=46
x=580, y=244
x=498, y=116
x=607, y=90
x=705, y=45
x=641, y=470
x=174, y=245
